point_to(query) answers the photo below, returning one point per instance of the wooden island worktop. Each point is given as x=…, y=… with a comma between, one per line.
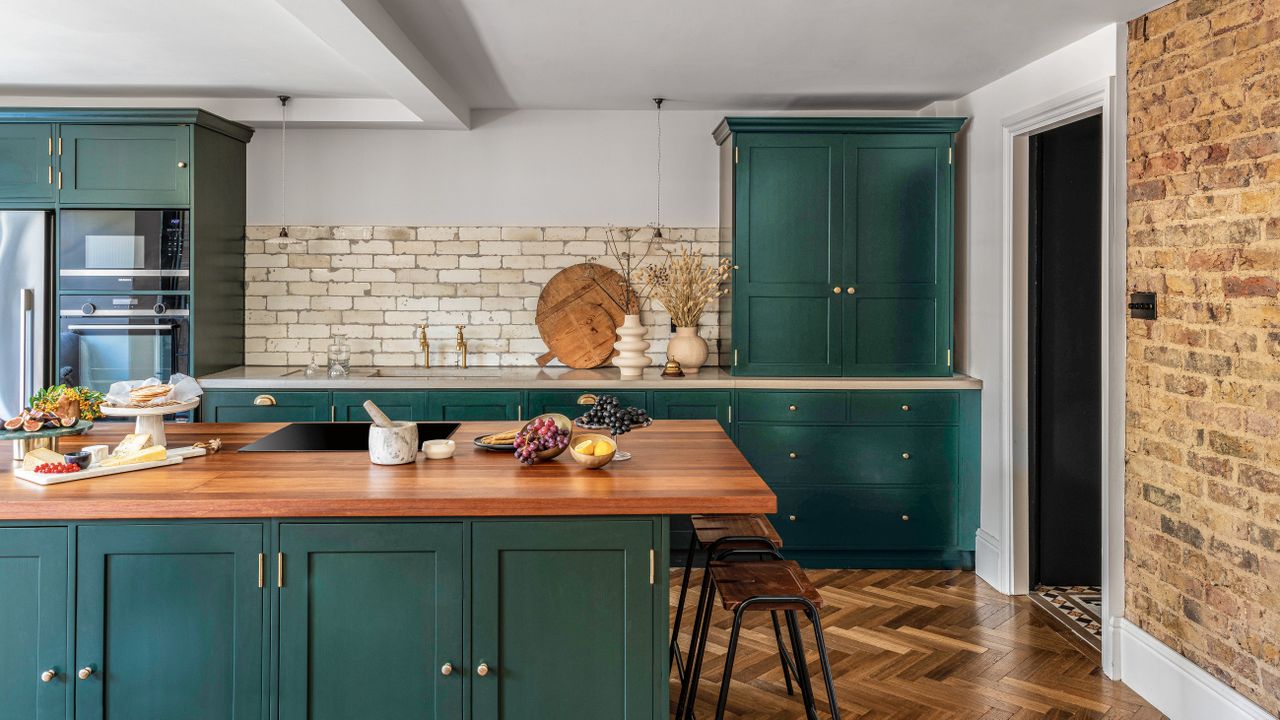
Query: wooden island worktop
x=679, y=467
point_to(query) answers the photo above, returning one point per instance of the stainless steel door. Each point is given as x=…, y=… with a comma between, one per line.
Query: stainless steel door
x=24, y=242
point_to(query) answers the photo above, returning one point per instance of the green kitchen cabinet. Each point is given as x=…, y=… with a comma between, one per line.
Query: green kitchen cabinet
x=170, y=621
x=563, y=620
x=842, y=231
x=397, y=404
x=264, y=406
x=463, y=405
x=897, y=260
x=33, y=624
x=125, y=164
x=693, y=405
x=565, y=402
x=371, y=621
x=27, y=163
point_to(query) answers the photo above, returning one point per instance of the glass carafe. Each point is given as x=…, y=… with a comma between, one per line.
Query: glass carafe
x=339, y=354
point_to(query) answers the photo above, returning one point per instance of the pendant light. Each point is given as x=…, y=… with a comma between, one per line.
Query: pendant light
x=283, y=237
x=657, y=222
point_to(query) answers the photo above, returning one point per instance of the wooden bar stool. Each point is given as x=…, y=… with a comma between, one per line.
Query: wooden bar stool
x=768, y=585
x=719, y=533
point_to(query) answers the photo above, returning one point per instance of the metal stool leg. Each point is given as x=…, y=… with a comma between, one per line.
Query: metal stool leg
x=802, y=666
x=697, y=645
x=675, y=659
x=727, y=678
x=782, y=652
x=812, y=613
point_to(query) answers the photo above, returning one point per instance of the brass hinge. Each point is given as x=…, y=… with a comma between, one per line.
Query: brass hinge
x=50, y=174
x=651, y=563
x=59, y=147
x=59, y=179
x=735, y=155
x=50, y=146
x=950, y=156
x=262, y=570
x=279, y=570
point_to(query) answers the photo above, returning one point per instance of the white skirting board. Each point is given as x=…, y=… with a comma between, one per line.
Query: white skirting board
x=986, y=560
x=1176, y=686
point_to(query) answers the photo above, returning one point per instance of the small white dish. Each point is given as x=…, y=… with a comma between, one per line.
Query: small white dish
x=439, y=449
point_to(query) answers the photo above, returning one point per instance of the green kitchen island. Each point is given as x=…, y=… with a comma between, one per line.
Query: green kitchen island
x=317, y=585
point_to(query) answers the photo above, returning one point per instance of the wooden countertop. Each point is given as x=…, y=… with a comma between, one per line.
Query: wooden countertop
x=679, y=467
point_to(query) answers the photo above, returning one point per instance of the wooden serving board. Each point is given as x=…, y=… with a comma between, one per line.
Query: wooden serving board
x=577, y=315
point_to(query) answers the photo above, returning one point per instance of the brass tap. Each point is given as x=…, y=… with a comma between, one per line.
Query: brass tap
x=425, y=344
x=461, y=347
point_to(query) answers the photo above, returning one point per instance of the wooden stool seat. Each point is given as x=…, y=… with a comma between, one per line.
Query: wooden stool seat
x=710, y=528
x=741, y=581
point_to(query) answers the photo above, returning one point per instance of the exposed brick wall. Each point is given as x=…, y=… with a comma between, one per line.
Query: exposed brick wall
x=1202, y=551
x=377, y=283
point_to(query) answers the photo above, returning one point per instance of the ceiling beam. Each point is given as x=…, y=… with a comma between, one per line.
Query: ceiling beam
x=364, y=34
x=260, y=112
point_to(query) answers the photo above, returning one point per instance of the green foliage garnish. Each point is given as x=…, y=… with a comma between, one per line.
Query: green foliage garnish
x=46, y=400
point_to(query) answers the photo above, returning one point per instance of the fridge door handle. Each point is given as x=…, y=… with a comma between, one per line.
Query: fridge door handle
x=26, y=344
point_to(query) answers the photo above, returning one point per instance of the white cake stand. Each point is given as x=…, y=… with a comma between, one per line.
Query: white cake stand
x=150, y=420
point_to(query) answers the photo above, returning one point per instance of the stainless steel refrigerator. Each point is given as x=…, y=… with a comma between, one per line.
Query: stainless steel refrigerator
x=25, y=248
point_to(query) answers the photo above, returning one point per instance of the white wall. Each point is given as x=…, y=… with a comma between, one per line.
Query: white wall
x=979, y=223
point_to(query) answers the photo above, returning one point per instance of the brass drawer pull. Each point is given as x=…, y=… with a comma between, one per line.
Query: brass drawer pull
x=906, y=456
x=182, y=163
x=906, y=408
x=836, y=289
x=792, y=518
x=264, y=400
x=792, y=408
x=791, y=455
x=905, y=518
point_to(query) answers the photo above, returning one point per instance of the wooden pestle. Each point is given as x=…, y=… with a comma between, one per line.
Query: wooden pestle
x=379, y=418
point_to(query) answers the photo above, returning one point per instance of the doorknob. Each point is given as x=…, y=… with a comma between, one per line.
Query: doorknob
x=483, y=669
x=48, y=675
x=84, y=673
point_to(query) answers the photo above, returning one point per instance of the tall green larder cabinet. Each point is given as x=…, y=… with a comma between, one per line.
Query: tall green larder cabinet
x=842, y=230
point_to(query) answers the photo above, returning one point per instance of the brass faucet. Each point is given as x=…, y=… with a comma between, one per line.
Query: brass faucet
x=425, y=344
x=462, y=348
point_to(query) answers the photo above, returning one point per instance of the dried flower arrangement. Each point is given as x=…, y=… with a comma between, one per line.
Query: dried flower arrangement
x=684, y=285
x=630, y=254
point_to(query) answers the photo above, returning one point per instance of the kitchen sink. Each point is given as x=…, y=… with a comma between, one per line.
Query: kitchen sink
x=407, y=372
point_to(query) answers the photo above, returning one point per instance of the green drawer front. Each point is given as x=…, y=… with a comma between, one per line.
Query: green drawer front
x=397, y=404
x=474, y=405
x=939, y=406
x=791, y=406
x=851, y=454
x=238, y=406
x=866, y=518
x=565, y=402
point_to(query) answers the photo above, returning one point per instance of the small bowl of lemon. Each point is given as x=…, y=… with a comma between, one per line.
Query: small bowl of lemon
x=592, y=450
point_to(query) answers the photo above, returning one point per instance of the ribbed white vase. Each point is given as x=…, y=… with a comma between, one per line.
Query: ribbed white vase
x=631, y=360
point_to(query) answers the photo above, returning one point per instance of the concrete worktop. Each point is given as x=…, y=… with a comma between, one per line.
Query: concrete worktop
x=551, y=378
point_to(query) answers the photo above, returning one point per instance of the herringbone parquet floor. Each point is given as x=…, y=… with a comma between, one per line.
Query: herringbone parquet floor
x=915, y=644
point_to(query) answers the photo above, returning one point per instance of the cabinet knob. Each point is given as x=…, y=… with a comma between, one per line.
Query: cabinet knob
x=906, y=456
x=182, y=163
x=446, y=669
x=906, y=408
x=791, y=455
x=84, y=673
x=792, y=518
x=906, y=518
x=264, y=400
x=48, y=675
x=836, y=289
x=483, y=669
x=851, y=290
x=792, y=408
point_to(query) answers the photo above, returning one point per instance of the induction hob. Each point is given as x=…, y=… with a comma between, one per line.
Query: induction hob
x=336, y=437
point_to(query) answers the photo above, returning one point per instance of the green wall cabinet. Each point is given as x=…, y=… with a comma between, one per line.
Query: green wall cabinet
x=843, y=234
x=465, y=405
x=33, y=624
x=170, y=619
x=264, y=406
x=563, y=620
x=126, y=164
x=27, y=163
x=370, y=615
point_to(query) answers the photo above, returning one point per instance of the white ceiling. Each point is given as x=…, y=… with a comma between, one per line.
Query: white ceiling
x=430, y=62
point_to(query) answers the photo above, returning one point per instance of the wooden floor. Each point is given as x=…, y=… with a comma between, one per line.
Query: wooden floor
x=916, y=644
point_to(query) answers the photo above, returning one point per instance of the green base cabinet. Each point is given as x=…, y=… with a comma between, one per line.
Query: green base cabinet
x=170, y=619
x=565, y=402
x=237, y=406
x=462, y=406
x=370, y=614
x=33, y=624
x=404, y=405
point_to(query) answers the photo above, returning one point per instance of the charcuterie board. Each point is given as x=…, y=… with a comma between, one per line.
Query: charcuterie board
x=578, y=311
x=175, y=456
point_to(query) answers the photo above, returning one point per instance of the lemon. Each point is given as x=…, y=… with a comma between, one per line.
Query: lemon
x=584, y=447
x=603, y=447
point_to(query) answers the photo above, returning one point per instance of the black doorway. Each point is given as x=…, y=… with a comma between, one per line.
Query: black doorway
x=1065, y=358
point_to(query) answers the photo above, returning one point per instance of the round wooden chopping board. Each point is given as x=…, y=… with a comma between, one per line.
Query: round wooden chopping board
x=577, y=315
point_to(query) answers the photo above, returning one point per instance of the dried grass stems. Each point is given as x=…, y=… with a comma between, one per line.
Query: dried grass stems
x=629, y=252
x=684, y=285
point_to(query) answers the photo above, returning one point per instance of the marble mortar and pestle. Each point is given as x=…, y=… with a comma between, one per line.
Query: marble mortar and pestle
x=390, y=442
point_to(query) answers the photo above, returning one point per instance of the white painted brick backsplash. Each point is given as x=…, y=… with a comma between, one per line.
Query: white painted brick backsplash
x=376, y=283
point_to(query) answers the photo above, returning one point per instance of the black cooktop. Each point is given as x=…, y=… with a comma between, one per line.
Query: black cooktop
x=336, y=437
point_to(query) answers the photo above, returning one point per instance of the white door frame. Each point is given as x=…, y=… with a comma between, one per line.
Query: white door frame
x=1097, y=98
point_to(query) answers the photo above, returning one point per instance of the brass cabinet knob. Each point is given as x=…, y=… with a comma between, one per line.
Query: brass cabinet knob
x=792, y=518
x=836, y=289
x=264, y=400
x=792, y=408
x=906, y=408
x=791, y=455
x=906, y=518
x=48, y=675
x=906, y=456
x=446, y=669
x=84, y=673
x=483, y=669
x=851, y=290
x=182, y=163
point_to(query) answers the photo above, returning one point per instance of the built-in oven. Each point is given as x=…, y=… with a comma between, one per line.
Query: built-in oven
x=113, y=251
x=106, y=338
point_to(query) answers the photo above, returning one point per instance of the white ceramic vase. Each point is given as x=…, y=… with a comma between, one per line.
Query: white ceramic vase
x=688, y=348
x=631, y=360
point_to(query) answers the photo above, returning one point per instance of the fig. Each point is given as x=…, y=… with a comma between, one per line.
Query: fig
x=32, y=425
x=13, y=424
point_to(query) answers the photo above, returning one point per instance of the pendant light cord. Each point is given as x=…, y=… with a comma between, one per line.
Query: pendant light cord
x=284, y=138
x=658, y=213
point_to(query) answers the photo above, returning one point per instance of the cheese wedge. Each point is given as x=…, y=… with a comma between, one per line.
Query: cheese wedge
x=132, y=444
x=149, y=454
x=40, y=456
x=97, y=453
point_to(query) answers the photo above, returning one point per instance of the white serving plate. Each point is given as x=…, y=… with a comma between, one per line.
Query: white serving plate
x=176, y=456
